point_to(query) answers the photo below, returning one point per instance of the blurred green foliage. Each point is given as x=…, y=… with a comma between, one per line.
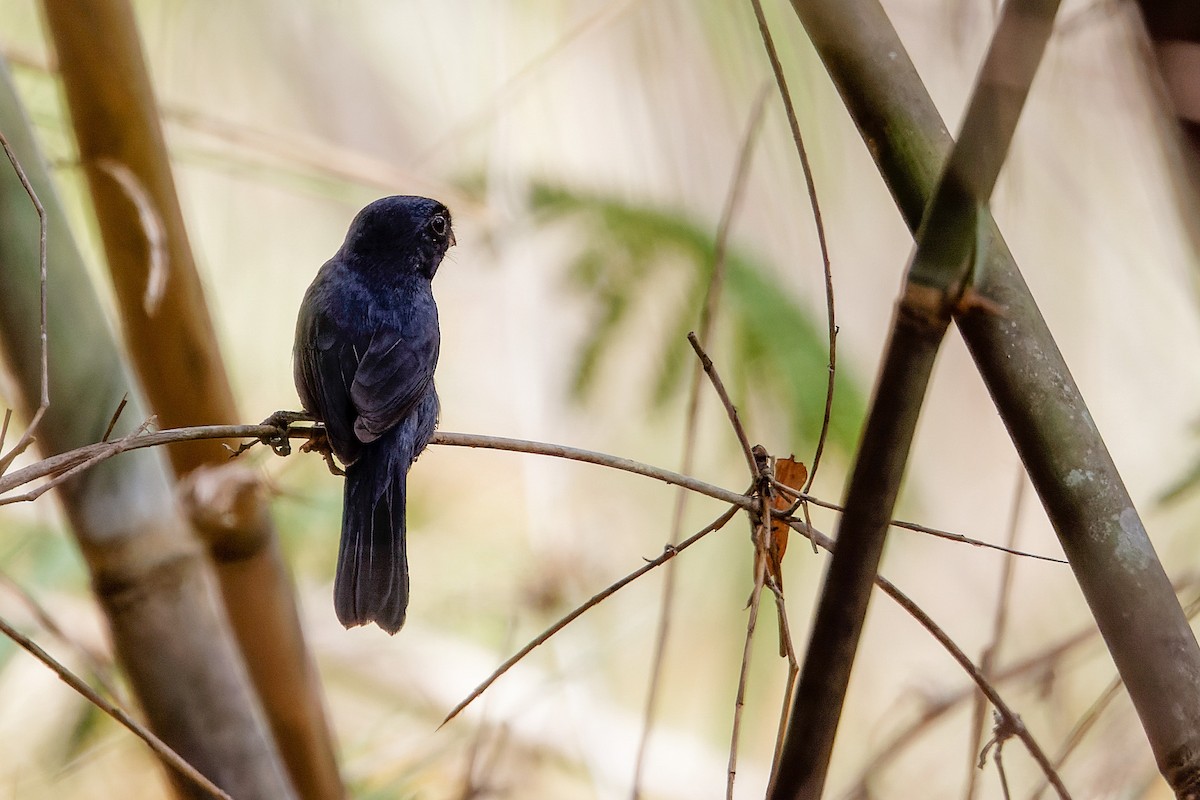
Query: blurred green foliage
x=776, y=346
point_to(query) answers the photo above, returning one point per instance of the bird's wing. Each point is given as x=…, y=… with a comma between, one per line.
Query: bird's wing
x=395, y=371
x=326, y=359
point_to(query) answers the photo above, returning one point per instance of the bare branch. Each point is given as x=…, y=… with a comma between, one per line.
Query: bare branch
x=999, y=625
x=95, y=453
x=668, y=553
x=1011, y=720
x=730, y=409
x=44, y=403
x=760, y=570
x=803, y=498
x=112, y=423
x=160, y=748
x=830, y=316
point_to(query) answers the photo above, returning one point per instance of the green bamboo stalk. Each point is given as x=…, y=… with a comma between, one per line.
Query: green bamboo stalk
x=169, y=336
x=147, y=570
x=1101, y=532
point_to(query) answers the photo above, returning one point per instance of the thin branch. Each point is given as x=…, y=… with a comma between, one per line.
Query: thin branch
x=67, y=474
x=830, y=316
x=1010, y=718
x=790, y=685
x=160, y=748
x=708, y=312
x=92, y=454
x=591, y=457
x=730, y=408
x=803, y=499
x=1002, y=731
x=95, y=453
x=112, y=423
x=1036, y=664
x=668, y=553
x=44, y=403
x=999, y=625
x=958, y=537
x=89, y=455
x=760, y=572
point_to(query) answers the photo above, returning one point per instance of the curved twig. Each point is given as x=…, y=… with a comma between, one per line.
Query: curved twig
x=830, y=315
x=92, y=454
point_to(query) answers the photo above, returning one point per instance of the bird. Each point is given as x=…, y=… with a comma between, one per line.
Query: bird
x=367, y=343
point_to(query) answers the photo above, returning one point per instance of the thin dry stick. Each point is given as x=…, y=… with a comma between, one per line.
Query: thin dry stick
x=112, y=423
x=87, y=463
x=1010, y=718
x=168, y=756
x=44, y=403
x=1001, y=734
x=730, y=408
x=92, y=454
x=89, y=455
x=708, y=312
x=763, y=579
x=760, y=573
x=669, y=552
x=830, y=316
x=98, y=452
x=803, y=499
x=761, y=527
x=793, y=674
x=999, y=623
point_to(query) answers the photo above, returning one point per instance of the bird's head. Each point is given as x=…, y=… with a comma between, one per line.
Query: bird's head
x=401, y=232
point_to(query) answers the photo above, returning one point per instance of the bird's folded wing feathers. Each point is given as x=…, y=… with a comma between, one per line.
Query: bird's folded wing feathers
x=392, y=376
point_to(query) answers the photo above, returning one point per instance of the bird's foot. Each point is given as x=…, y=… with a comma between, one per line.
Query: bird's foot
x=318, y=442
x=279, y=440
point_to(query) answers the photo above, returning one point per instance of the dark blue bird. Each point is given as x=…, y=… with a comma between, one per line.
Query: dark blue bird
x=367, y=343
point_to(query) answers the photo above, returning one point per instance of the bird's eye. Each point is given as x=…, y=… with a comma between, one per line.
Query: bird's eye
x=439, y=225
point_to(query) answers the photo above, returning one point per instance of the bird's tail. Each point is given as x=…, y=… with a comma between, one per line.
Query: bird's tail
x=372, y=570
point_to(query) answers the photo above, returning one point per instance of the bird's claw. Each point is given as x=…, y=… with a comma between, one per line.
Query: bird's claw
x=318, y=442
x=279, y=440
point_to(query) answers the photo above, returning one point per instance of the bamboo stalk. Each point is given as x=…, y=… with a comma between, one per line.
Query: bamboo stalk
x=148, y=574
x=1104, y=538
x=170, y=338
x=937, y=279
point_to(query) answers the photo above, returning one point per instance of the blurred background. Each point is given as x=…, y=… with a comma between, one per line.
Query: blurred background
x=586, y=150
